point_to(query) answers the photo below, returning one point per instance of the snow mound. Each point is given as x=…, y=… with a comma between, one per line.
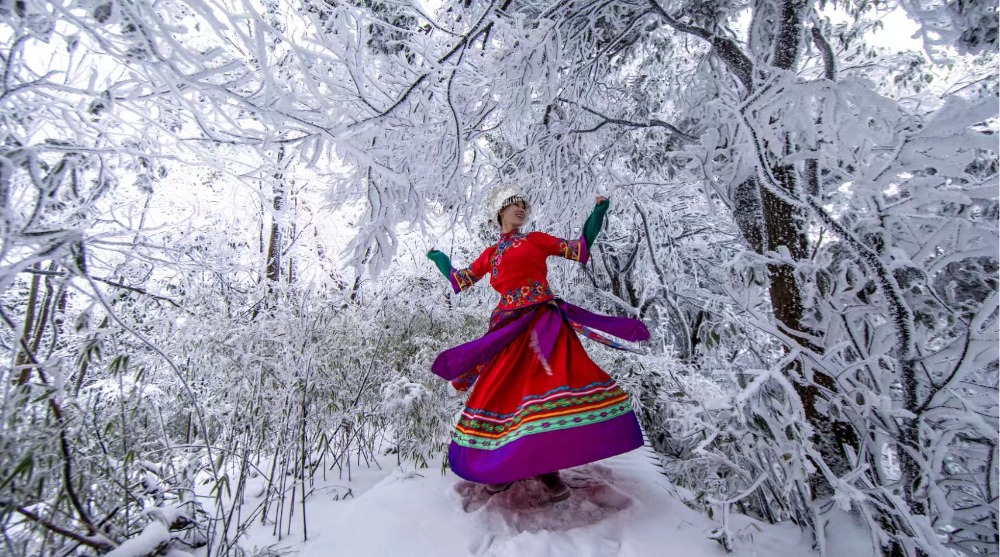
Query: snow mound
x=621, y=506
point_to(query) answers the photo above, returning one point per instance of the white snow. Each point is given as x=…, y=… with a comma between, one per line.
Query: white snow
x=619, y=507
x=153, y=535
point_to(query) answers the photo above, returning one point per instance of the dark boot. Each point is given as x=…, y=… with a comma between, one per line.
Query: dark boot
x=556, y=488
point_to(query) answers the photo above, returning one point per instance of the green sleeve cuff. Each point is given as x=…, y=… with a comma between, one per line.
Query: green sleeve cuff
x=442, y=262
x=595, y=222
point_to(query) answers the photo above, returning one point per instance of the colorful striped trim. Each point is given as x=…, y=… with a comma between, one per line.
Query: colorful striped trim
x=462, y=279
x=573, y=249
x=544, y=409
x=597, y=337
x=565, y=393
x=564, y=390
x=541, y=412
x=475, y=440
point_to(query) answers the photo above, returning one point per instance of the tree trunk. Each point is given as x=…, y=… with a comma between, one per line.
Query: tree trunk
x=785, y=227
x=291, y=234
x=273, y=270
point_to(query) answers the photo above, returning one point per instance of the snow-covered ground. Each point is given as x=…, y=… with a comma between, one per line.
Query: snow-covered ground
x=619, y=507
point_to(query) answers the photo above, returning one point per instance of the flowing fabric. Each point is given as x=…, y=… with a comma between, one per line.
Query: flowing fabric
x=538, y=403
x=461, y=359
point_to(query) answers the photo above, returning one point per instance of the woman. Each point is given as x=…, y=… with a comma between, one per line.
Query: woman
x=538, y=403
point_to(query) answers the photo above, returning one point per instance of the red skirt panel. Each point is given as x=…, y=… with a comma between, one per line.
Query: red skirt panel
x=528, y=415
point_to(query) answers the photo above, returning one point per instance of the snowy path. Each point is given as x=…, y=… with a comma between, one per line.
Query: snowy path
x=619, y=507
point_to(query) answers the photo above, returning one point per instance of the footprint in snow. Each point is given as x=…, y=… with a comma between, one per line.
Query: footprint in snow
x=525, y=506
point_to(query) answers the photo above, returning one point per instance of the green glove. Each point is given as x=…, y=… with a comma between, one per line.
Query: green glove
x=442, y=262
x=594, y=222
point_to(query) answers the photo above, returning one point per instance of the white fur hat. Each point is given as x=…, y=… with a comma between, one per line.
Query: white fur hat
x=503, y=196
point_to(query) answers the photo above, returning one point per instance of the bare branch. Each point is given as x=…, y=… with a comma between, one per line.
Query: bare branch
x=89, y=541
x=736, y=60
x=477, y=30
x=109, y=282
x=652, y=123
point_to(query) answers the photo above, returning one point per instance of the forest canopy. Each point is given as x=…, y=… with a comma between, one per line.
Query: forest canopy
x=214, y=214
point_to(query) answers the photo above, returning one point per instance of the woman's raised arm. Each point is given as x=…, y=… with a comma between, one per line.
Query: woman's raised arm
x=596, y=220
x=575, y=250
x=460, y=279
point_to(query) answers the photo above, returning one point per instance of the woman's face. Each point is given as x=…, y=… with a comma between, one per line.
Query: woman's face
x=513, y=215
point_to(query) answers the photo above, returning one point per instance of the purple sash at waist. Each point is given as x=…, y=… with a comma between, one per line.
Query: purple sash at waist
x=548, y=318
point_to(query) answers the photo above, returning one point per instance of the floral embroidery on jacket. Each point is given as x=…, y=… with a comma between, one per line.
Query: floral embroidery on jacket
x=507, y=241
x=525, y=295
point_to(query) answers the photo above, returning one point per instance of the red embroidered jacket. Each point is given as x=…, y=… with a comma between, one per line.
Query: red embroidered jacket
x=516, y=265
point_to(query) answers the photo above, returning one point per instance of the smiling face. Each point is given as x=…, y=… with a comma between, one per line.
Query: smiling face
x=513, y=215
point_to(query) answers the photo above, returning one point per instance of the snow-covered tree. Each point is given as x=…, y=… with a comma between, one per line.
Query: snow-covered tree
x=808, y=222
